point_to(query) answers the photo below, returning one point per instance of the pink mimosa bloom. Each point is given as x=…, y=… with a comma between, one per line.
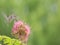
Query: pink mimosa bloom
x=21, y=31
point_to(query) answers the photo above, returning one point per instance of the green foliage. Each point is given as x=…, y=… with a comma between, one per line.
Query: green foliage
x=42, y=15
x=4, y=40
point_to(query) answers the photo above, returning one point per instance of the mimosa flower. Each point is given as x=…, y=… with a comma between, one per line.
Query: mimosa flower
x=21, y=31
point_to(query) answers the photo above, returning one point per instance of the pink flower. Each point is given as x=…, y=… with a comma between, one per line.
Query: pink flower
x=21, y=31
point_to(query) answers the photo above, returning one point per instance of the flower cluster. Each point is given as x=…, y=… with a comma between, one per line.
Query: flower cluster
x=21, y=31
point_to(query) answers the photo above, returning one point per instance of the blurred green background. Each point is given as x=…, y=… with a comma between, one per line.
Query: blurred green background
x=43, y=16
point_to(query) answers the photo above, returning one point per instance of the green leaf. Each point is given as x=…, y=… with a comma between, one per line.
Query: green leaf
x=0, y=38
x=8, y=41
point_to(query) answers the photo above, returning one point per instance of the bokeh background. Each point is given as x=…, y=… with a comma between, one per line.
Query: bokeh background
x=43, y=16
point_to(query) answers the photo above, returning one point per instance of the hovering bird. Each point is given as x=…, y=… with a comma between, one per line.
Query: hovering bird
x=10, y=18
